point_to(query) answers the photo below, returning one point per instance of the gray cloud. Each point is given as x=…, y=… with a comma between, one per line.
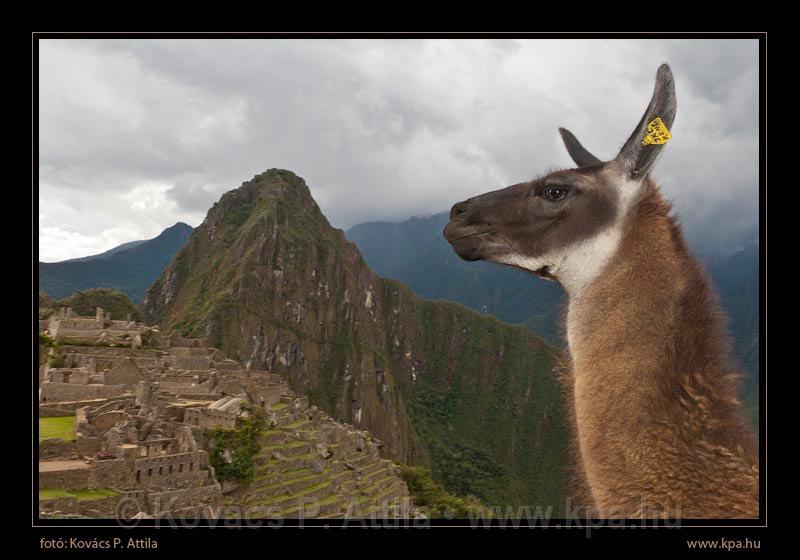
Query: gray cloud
x=135, y=135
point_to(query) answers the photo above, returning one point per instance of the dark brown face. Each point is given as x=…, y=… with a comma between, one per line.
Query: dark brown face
x=528, y=224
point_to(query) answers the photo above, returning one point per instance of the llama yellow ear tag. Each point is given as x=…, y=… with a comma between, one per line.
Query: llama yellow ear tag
x=657, y=132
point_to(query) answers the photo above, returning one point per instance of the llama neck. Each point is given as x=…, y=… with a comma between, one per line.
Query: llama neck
x=651, y=385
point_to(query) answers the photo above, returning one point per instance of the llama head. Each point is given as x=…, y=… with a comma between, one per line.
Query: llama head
x=566, y=225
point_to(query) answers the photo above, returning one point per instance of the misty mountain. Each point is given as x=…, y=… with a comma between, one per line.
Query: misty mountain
x=129, y=268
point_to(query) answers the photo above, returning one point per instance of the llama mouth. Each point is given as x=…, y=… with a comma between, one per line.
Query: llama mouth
x=467, y=235
x=544, y=272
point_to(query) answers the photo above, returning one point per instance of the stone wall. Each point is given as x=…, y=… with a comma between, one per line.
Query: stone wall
x=180, y=500
x=53, y=449
x=56, y=392
x=188, y=352
x=76, y=375
x=189, y=362
x=267, y=396
x=88, y=446
x=206, y=418
x=105, y=420
x=67, y=479
x=125, y=372
x=171, y=469
x=228, y=366
x=67, y=408
x=176, y=339
x=101, y=508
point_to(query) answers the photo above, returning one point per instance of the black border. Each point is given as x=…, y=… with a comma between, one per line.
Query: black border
x=556, y=532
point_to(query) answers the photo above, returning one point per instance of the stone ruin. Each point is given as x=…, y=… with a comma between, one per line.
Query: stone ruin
x=142, y=417
x=65, y=326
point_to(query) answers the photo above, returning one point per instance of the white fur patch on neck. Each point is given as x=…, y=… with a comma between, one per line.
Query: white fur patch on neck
x=578, y=264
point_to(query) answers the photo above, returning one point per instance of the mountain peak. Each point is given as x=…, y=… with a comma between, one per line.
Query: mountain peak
x=179, y=226
x=281, y=183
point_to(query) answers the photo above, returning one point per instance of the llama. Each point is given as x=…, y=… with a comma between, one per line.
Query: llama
x=657, y=425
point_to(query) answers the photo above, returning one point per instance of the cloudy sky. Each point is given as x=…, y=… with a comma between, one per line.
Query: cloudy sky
x=135, y=135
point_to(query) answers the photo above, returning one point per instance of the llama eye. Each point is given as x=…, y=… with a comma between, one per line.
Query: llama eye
x=555, y=193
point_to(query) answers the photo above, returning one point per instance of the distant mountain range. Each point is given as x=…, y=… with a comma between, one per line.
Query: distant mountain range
x=129, y=268
x=106, y=254
x=415, y=253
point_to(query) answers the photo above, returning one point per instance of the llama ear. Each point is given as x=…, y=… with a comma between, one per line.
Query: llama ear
x=644, y=145
x=580, y=155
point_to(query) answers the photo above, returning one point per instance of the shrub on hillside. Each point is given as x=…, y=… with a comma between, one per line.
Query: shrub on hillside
x=436, y=500
x=87, y=301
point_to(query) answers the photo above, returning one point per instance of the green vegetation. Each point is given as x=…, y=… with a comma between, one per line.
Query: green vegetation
x=56, y=360
x=234, y=450
x=83, y=494
x=117, y=303
x=47, y=305
x=436, y=500
x=496, y=432
x=61, y=427
x=47, y=301
x=46, y=341
x=149, y=337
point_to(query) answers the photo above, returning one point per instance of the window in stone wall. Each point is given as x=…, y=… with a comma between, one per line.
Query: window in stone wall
x=138, y=476
x=180, y=467
x=160, y=471
x=191, y=466
x=149, y=473
x=170, y=469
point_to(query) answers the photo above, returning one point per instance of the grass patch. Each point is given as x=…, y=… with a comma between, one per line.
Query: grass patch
x=288, y=481
x=285, y=498
x=61, y=427
x=264, y=472
x=279, y=447
x=83, y=494
x=296, y=424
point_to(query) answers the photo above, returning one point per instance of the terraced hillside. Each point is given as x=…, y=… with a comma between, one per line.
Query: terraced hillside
x=309, y=466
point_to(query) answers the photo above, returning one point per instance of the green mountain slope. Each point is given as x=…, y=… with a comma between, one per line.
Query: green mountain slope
x=128, y=268
x=270, y=282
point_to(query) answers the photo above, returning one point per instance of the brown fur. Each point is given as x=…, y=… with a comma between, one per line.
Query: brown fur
x=656, y=414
